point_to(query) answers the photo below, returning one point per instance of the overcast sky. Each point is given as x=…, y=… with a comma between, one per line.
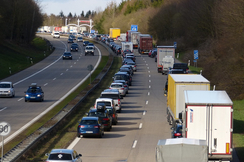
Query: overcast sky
x=73, y=6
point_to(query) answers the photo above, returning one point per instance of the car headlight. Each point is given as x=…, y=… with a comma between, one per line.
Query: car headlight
x=26, y=95
x=38, y=95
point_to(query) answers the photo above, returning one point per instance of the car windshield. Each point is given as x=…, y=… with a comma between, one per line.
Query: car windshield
x=60, y=156
x=89, y=47
x=88, y=122
x=4, y=85
x=33, y=90
x=97, y=114
x=67, y=54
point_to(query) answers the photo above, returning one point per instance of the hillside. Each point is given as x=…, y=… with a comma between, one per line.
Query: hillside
x=213, y=27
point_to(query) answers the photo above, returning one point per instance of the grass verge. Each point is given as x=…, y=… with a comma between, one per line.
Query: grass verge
x=15, y=57
x=64, y=135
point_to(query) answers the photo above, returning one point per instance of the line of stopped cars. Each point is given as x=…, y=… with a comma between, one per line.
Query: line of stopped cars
x=104, y=114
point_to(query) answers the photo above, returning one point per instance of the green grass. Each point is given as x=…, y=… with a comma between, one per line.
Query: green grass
x=195, y=70
x=238, y=135
x=15, y=57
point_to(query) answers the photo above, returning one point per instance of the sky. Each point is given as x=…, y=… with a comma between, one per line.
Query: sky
x=73, y=6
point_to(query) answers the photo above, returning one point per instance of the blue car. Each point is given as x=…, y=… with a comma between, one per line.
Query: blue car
x=90, y=126
x=34, y=93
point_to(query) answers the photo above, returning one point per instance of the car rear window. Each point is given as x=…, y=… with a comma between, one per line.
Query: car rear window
x=97, y=114
x=60, y=156
x=88, y=122
x=104, y=102
x=116, y=85
x=113, y=96
x=120, y=77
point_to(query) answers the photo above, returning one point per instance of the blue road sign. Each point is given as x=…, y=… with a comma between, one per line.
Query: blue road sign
x=134, y=27
x=195, y=54
x=175, y=44
x=194, y=60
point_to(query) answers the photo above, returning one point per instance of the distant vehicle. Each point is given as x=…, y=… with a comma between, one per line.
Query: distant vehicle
x=74, y=47
x=162, y=52
x=79, y=39
x=70, y=40
x=62, y=155
x=89, y=50
x=72, y=37
x=119, y=87
x=183, y=66
x=67, y=55
x=114, y=33
x=85, y=43
x=90, y=126
x=112, y=112
x=123, y=76
x=133, y=65
x=115, y=95
x=7, y=89
x=126, y=46
x=56, y=35
x=34, y=93
x=145, y=43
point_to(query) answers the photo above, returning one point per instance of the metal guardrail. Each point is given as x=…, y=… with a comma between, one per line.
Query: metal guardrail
x=25, y=145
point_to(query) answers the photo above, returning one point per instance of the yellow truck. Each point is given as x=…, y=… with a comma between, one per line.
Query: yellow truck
x=114, y=33
x=177, y=84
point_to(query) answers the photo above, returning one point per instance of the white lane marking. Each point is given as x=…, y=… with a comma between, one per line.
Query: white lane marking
x=38, y=71
x=54, y=78
x=143, y=59
x=148, y=93
x=148, y=71
x=140, y=126
x=3, y=108
x=149, y=76
x=149, y=80
x=144, y=113
x=146, y=64
x=67, y=69
x=77, y=60
x=71, y=66
x=61, y=73
x=21, y=99
x=12, y=136
x=45, y=84
x=146, y=102
x=74, y=143
x=149, y=86
x=134, y=144
x=147, y=67
x=74, y=62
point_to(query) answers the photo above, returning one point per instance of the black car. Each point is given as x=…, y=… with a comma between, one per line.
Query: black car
x=103, y=116
x=72, y=37
x=74, y=47
x=67, y=55
x=85, y=43
x=112, y=112
x=177, y=131
x=183, y=66
x=123, y=76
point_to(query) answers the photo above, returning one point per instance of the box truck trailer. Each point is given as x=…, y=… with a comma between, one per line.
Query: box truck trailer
x=145, y=43
x=163, y=51
x=209, y=116
x=114, y=33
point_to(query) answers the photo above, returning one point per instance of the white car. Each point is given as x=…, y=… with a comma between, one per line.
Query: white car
x=7, y=89
x=120, y=87
x=56, y=35
x=62, y=155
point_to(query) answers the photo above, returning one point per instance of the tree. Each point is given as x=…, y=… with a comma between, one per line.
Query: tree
x=61, y=14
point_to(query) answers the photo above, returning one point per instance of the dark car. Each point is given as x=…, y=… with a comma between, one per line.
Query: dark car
x=153, y=54
x=118, y=50
x=90, y=126
x=67, y=55
x=123, y=76
x=126, y=51
x=34, y=93
x=103, y=116
x=183, y=66
x=72, y=37
x=70, y=40
x=112, y=112
x=85, y=43
x=74, y=47
x=90, y=44
x=177, y=131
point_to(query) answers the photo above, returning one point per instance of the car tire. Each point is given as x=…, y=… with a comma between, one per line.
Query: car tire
x=78, y=135
x=100, y=135
x=25, y=100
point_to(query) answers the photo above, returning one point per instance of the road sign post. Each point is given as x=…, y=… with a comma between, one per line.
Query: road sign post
x=90, y=68
x=195, y=57
x=4, y=131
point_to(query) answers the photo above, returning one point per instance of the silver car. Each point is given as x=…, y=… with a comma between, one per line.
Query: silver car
x=124, y=83
x=120, y=87
x=7, y=89
x=61, y=155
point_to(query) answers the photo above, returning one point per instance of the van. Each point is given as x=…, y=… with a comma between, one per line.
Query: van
x=114, y=94
x=107, y=101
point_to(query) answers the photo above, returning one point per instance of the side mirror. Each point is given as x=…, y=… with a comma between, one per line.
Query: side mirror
x=46, y=154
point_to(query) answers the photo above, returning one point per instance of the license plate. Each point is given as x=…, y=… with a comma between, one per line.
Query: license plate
x=89, y=131
x=33, y=97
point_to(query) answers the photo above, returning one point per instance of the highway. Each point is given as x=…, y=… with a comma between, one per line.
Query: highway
x=56, y=77
x=141, y=123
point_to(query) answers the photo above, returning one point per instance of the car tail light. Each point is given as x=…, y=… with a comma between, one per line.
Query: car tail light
x=105, y=119
x=119, y=101
x=113, y=115
x=125, y=85
x=96, y=126
x=177, y=134
x=121, y=88
x=81, y=126
x=187, y=71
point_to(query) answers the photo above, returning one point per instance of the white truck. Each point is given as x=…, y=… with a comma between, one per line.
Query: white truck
x=209, y=116
x=181, y=150
x=131, y=36
x=168, y=62
x=163, y=51
x=126, y=45
x=122, y=37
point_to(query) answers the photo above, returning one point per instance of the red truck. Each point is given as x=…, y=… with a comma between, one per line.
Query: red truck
x=145, y=43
